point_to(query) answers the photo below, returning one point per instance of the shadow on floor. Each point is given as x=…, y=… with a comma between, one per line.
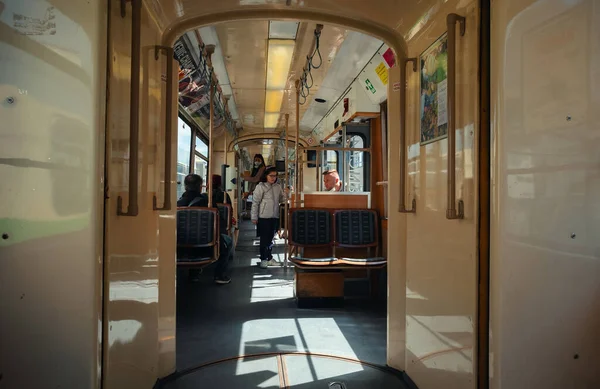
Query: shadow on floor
x=257, y=313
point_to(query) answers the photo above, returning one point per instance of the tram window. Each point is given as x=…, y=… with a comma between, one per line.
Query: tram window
x=184, y=149
x=201, y=167
x=201, y=147
x=356, y=165
x=332, y=160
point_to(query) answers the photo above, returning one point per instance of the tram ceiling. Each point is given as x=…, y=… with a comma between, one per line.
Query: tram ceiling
x=244, y=30
x=263, y=59
x=263, y=139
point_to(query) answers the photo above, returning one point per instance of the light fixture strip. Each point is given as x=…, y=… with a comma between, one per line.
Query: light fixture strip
x=279, y=59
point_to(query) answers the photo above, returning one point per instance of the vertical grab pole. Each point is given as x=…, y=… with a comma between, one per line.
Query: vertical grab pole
x=134, y=104
x=296, y=168
x=286, y=205
x=451, y=211
x=344, y=159
x=210, y=49
x=225, y=136
x=403, y=159
x=318, y=158
x=168, y=128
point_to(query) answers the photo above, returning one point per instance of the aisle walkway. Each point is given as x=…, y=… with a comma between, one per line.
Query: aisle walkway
x=256, y=313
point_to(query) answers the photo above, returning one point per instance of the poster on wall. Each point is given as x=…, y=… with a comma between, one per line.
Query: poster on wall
x=434, y=94
x=193, y=85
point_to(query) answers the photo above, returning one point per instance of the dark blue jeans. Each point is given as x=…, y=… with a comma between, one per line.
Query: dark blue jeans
x=225, y=255
x=222, y=263
x=266, y=230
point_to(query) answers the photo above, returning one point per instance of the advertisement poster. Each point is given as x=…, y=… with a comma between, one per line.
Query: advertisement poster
x=434, y=95
x=194, y=88
x=382, y=72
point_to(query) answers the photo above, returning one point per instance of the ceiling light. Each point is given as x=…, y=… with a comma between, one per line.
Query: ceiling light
x=271, y=120
x=273, y=99
x=279, y=60
x=283, y=30
x=280, y=54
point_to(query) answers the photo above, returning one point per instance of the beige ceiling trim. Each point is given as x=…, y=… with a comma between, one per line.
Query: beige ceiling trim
x=263, y=136
x=391, y=37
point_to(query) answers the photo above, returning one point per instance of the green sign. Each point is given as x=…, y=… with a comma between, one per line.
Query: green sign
x=370, y=86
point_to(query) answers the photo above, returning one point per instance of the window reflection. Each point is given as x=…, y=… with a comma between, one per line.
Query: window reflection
x=200, y=168
x=356, y=171
x=184, y=146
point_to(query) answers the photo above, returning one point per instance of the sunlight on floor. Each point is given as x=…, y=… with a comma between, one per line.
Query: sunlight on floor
x=289, y=335
x=267, y=287
x=263, y=365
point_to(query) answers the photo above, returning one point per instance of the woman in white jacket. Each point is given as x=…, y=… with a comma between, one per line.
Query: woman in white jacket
x=265, y=212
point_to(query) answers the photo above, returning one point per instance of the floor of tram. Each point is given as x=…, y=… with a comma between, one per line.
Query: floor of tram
x=250, y=333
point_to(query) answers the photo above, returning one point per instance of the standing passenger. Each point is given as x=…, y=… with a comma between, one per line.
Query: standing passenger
x=257, y=173
x=265, y=213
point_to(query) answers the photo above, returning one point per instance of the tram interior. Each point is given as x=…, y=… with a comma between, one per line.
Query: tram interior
x=322, y=323
x=456, y=248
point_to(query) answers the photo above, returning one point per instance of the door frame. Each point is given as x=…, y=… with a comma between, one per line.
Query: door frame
x=484, y=189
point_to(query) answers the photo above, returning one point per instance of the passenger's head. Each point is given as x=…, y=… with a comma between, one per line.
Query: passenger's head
x=258, y=161
x=193, y=183
x=216, y=181
x=271, y=174
x=331, y=179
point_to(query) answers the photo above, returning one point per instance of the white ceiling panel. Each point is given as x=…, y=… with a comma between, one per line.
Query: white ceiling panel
x=283, y=30
x=210, y=37
x=353, y=55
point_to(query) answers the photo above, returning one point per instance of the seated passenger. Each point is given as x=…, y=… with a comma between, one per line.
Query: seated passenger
x=331, y=181
x=193, y=198
x=220, y=197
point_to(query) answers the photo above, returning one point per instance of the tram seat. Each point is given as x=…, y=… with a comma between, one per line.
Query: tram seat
x=343, y=228
x=197, y=237
x=358, y=228
x=225, y=212
x=311, y=228
x=338, y=245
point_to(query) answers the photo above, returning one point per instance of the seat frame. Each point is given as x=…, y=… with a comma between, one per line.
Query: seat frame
x=229, y=215
x=214, y=243
x=335, y=262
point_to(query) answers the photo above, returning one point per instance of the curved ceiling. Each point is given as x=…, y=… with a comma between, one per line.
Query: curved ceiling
x=395, y=17
x=242, y=45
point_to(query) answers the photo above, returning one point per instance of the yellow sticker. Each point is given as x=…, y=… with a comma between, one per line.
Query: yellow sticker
x=382, y=72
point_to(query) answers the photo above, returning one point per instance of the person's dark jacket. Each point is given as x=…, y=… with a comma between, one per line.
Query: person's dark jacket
x=197, y=199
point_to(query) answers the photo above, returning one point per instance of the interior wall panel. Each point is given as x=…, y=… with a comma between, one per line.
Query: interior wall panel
x=139, y=301
x=545, y=257
x=52, y=102
x=441, y=267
